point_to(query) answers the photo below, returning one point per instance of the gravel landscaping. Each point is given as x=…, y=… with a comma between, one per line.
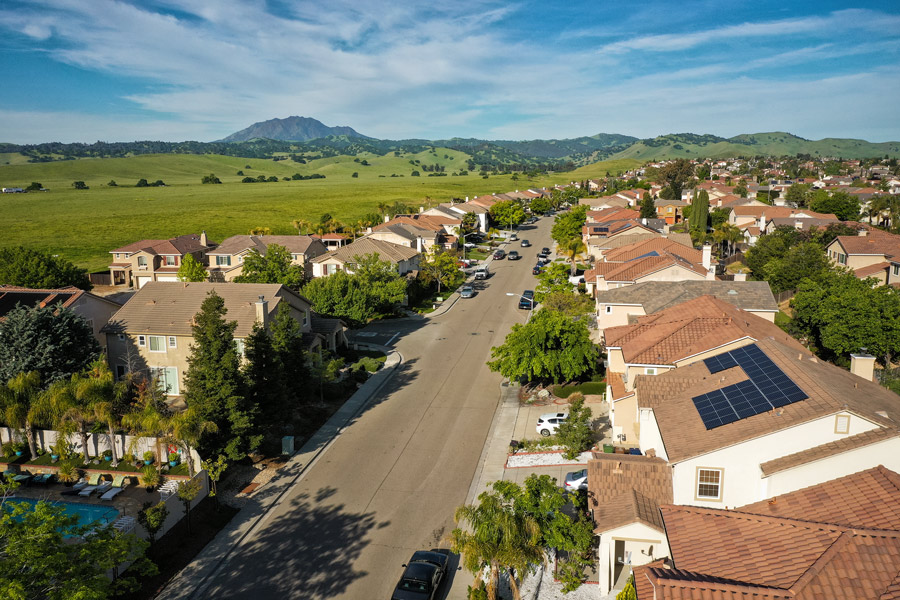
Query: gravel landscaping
x=544, y=459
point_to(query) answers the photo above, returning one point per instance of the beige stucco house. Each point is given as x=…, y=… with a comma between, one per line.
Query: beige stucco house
x=227, y=261
x=405, y=259
x=139, y=263
x=872, y=253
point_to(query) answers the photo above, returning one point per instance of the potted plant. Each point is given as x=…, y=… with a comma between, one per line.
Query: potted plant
x=148, y=457
x=67, y=473
x=19, y=448
x=9, y=450
x=107, y=455
x=149, y=478
x=173, y=459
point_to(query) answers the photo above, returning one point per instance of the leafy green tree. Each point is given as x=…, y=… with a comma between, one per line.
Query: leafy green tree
x=211, y=178
x=579, y=307
x=29, y=268
x=440, y=267
x=574, y=250
x=740, y=190
x=469, y=224
x=272, y=267
x=550, y=347
x=507, y=213
x=718, y=216
x=382, y=281
x=214, y=470
x=806, y=260
x=40, y=560
x=187, y=493
x=80, y=185
x=191, y=269
x=553, y=280
x=675, y=175
x=287, y=342
x=213, y=383
x=798, y=194
x=142, y=183
x=648, y=207
x=575, y=432
x=112, y=183
x=703, y=172
x=152, y=517
x=34, y=187
x=371, y=291
x=700, y=213
x=51, y=340
x=540, y=205
x=568, y=225
x=769, y=247
x=19, y=405
x=841, y=204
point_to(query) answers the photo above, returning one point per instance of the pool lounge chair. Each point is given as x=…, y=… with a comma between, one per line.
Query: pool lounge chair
x=43, y=478
x=169, y=488
x=100, y=489
x=93, y=485
x=73, y=491
x=120, y=482
x=22, y=478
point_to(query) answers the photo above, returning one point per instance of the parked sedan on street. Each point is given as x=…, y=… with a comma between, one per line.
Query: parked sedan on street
x=513, y=255
x=526, y=300
x=525, y=243
x=545, y=250
x=499, y=255
x=466, y=291
x=537, y=269
x=422, y=577
x=576, y=480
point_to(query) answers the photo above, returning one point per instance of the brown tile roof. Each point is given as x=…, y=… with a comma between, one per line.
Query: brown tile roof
x=830, y=389
x=623, y=489
x=611, y=214
x=168, y=308
x=659, y=245
x=868, y=499
x=12, y=296
x=617, y=385
x=182, y=244
x=775, y=558
x=864, y=272
x=631, y=271
x=428, y=222
x=875, y=243
x=773, y=212
x=366, y=245
x=655, y=296
x=860, y=440
x=688, y=329
x=295, y=244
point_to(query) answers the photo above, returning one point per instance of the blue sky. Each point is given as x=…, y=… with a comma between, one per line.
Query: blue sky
x=87, y=70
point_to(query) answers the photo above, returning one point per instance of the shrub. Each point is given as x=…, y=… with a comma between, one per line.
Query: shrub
x=575, y=432
x=68, y=473
x=148, y=455
x=150, y=477
x=368, y=363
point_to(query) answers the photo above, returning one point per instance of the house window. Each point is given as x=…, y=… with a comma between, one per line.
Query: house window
x=223, y=261
x=170, y=261
x=157, y=343
x=842, y=259
x=120, y=372
x=167, y=378
x=896, y=270
x=650, y=371
x=709, y=484
x=609, y=310
x=842, y=424
x=295, y=256
x=331, y=269
x=305, y=318
x=172, y=343
x=142, y=261
x=142, y=340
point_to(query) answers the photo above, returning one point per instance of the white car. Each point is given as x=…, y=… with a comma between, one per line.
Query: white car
x=576, y=481
x=548, y=423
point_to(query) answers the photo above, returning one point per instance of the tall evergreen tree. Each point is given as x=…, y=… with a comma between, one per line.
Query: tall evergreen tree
x=287, y=342
x=700, y=214
x=264, y=379
x=648, y=207
x=213, y=383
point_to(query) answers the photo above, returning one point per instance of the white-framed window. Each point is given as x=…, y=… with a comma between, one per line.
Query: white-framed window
x=842, y=424
x=609, y=310
x=223, y=261
x=167, y=378
x=296, y=256
x=896, y=269
x=157, y=343
x=142, y=261
x=649, y=370
x=170, y=261
x=172, y=342
x=142, y=340
x=709, y=484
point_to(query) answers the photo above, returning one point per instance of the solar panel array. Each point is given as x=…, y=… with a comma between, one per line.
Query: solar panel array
x=767, y=388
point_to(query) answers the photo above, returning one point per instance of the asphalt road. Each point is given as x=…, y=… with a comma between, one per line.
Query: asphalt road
x=390, y=482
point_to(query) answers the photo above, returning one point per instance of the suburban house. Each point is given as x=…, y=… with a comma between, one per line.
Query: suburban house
x=152, y=332
x=624, y=495
x=155, y=260
x=622, y=306
x=331, y=240
x=604, y=202
x=652, y=259
x=754, y=220
x=459, y=210
x=669, y=340
x=800, y=224
x=610, y=214
x=405, y=259
x=671, y=211
x=837, y=539
x=872, y=253
x=419, y=231
x=227, y=261
x=96, y=310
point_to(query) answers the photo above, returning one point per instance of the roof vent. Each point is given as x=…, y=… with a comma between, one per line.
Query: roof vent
x=732, y=292
x=882, y=414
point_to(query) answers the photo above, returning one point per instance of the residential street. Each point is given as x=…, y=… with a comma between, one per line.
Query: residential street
x=390, y=482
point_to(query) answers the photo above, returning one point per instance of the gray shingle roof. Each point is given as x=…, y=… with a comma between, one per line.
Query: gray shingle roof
x=655, y=296
x=295, y=244
x=366, y=245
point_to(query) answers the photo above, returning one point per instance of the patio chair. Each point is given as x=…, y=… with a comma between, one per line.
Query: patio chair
x=43, y=478
x=22, y=478
x=169, y=488
x=73, y=491
x=94, y=485
x=124, y=524
x=120, y=482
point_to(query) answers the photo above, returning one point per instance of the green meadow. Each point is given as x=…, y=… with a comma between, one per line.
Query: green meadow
x=84, y=225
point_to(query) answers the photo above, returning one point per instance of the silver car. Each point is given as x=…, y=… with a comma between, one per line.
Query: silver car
x=466, y=291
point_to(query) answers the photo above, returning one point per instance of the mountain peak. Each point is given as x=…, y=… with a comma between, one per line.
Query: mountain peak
x=291, y=129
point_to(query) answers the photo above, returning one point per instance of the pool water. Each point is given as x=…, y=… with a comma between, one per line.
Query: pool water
x=86, y=513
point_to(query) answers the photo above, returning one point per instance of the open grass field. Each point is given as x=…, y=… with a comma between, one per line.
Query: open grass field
x=84, y=225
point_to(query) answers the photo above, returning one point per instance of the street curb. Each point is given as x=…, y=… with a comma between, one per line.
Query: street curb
x=495, y=433
x=192, y=581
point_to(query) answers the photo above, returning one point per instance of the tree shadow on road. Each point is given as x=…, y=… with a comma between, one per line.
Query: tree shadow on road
x=307, y=552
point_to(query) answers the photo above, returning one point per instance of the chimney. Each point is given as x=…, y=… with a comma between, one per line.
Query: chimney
x=740, y=276
x=863, y=365
x=863, y=232
x=762, y=222
x=711, y=274
x=262, y=311
x=387, y=218
x=707, y=256
x=203, y=240
x=421, y=209
x=418, y=244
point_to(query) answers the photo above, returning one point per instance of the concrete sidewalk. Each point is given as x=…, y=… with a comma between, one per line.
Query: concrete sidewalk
x=192, y=581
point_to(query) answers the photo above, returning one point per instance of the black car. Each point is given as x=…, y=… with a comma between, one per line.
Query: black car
x=526, y=301
x=537, y=269
x=422, y=577
x=513, y=255
x=545, y=250
x=499, y=255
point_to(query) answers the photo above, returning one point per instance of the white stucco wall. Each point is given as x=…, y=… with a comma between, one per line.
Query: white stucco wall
x=742, y=479
x=640, y=540
x=617, y=315
x=650, y=436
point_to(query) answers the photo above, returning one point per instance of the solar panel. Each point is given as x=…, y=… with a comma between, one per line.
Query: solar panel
x=766, y=388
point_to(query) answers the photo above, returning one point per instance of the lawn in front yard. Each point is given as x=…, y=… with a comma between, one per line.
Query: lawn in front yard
x=586, y=388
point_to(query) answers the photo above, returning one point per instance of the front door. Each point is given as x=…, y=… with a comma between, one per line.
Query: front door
x=619, y=562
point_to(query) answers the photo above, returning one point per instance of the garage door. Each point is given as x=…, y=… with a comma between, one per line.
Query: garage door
x=140, y=281
x=167, y=278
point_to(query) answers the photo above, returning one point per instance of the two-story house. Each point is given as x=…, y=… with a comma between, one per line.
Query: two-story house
x=649, y=259
x=404, y=258
x=155, y=260
x=419, y=231
x=227, y=261
x=872, y=253
x=152, y=333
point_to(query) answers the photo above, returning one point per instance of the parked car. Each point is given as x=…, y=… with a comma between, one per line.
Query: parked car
x=466, y=291
x=470, y=244
x=499, y=255
x=576, y=480
x=482, y=273
x=525, y=243
x=545, y=250
x=513, y=255
x=513, y=237
x=422, y=577
x=526, y=301
x=548, y=423
x=537, y=269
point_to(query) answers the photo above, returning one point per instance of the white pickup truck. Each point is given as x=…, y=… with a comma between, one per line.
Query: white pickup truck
x=482, y=272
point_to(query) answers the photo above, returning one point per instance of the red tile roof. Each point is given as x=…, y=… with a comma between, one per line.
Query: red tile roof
x=624, y=489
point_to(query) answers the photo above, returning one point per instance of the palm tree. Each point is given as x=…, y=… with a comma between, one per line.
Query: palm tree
x=877, y=206
x=185, y=430
x=300, y=225
x=496, y=537
x=18, y=399
x=573, y=249
x=149, y=417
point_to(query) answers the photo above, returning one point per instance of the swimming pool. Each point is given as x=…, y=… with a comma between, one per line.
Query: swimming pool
x=86, y=513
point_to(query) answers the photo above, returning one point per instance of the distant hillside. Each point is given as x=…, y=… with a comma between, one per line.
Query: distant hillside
x=291, y=129
x=688, y=145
